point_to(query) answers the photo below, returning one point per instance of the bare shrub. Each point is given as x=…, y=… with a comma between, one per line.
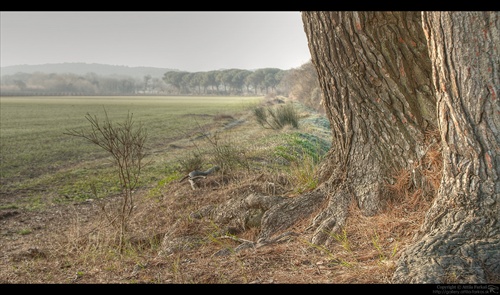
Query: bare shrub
x=125, y=144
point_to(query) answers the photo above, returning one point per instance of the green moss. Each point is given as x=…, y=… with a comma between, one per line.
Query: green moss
x=297, y=145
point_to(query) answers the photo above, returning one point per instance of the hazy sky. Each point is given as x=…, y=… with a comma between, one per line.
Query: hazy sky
x=190, y=41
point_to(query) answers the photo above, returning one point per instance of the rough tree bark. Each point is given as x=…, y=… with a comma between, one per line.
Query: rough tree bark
x=375, y=74
x=460, y=238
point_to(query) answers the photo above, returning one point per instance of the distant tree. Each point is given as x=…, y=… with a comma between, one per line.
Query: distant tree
x=209, y=80
x=195, y=81
x=302, y=83
x=21, y=84
x=158, y=86
x=175, y=79
x=268, y=78
x=147, y=80
x=254, y=80
x=127, y=85
x=109, y=86
x=226, y=78
x=239, y=78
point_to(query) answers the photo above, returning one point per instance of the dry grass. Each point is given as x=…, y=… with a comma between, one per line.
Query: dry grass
x=84, y=250
x=419, y=187
x=75, y=244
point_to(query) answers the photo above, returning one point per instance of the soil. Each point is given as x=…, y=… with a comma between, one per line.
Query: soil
x=74, y=243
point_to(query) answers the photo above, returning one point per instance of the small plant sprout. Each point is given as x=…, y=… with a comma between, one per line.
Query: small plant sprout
x=342, y=239
x=376, y=244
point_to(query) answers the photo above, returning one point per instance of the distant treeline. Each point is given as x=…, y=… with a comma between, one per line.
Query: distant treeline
x=300, y=83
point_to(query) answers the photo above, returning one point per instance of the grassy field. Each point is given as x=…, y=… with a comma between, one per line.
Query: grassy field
x=54, y=228
x=38, y=161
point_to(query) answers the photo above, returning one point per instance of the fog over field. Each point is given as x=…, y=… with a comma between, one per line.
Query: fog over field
x=186, y=41
x=85, y=68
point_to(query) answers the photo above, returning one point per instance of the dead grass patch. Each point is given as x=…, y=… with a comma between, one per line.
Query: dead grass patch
x=79, y=246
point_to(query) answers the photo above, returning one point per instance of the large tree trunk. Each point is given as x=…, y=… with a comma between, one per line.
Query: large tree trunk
x=460, y=238
x=375, y=73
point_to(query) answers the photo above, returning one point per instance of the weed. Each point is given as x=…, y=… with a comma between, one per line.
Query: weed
x=218, y=150
x=303, y=173
x=303, y=153
x=330, y=254
x=278, y=117
x=10, y=206
x=394, y=250
x=156, y=191
x=376, y=244
x=192, y=162
x=342, y=239
x=25, y=231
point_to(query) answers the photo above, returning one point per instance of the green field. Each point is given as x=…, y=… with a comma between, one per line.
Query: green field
x=37, y=160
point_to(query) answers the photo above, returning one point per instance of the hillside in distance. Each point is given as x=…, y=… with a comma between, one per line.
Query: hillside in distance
x=84, y=68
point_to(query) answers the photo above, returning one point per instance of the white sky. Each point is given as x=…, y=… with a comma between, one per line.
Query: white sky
x=189, y=41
